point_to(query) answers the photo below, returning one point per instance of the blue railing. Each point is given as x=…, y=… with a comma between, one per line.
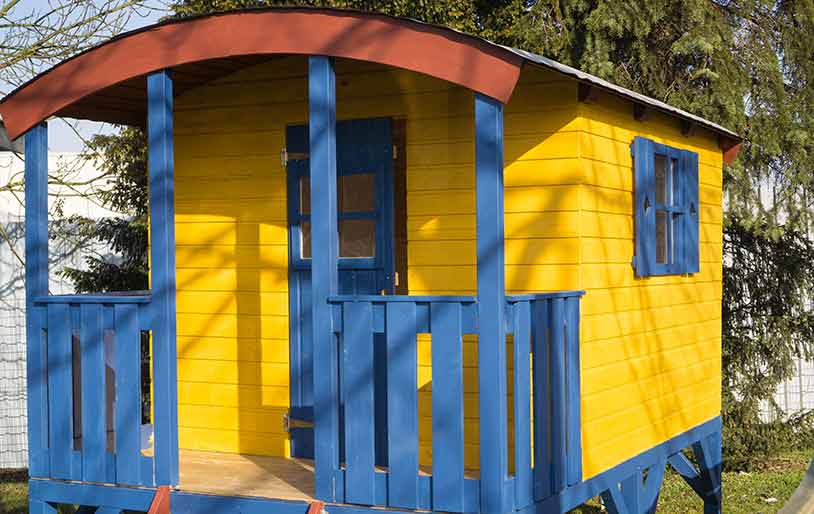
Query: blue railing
x=87, y=362
x=395, y=322
x=545, y=331
x=86, y=366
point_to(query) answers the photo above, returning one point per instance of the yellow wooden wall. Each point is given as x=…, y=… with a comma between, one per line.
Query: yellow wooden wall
x=568, y=225
x=231, y=230
x=651, y=347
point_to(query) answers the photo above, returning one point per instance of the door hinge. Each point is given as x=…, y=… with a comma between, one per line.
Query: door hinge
x=293, y=156
x=395, y=152
x=396, y=279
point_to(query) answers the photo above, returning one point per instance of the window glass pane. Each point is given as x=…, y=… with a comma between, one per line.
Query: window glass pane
x=661, y=179
x=672, y=184
x=661, y=237
x=305, y=195
x=305, y=240
x=357, y=238
x=357, y=193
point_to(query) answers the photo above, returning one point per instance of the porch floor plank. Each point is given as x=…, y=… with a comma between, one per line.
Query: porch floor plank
x=246, y=475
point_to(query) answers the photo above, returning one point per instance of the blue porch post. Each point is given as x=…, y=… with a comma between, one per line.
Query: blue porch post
x=162, y=273
x=495, y=495
x=324, y=274
x=36, y=284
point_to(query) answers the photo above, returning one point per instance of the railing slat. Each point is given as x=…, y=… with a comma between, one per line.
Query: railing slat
x=542, y=417
x=524, y=490
x=359, y=403
x=558, y=392
x=127, y=366
x=402, y=395
x=60, y=391
x=37, y=377
x=94, y=433
x=574, y=437
x=447, y=408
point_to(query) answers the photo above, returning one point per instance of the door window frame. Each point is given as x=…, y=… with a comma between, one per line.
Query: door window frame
x=383, y=214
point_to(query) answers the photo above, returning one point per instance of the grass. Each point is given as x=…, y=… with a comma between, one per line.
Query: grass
x=744, y=493
x=13, y=492
x=763, y=491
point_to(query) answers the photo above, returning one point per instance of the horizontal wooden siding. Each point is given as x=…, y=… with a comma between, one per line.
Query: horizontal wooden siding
x=651, y=347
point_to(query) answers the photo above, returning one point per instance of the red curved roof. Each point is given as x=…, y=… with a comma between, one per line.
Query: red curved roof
x=443, y=53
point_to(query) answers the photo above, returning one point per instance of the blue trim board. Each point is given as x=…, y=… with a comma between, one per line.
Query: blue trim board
x=491, y=305
x=623, y=487
x=36, y=284
x=324, y=272
x=578, y=494
x=542, y=296
x=162, y=259
x=139, y=499
x=627, y=474
x=91, y=299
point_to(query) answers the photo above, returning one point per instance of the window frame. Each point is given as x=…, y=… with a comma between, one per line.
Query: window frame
x=682, y=210
x=296, y=218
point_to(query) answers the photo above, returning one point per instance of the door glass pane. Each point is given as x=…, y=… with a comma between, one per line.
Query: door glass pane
x=305, y=195
x=305, y=240
x=661, y=179
x=357, y=238
x=357, y=193
x=662, y=221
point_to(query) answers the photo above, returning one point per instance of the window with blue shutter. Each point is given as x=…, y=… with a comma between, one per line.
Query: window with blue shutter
x=666, y=209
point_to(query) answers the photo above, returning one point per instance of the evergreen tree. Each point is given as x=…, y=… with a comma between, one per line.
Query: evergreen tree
x=123, y=158
x=493, y=20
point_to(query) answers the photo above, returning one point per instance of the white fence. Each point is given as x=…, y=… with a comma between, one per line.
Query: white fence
x=795, y=395
x=12, y=354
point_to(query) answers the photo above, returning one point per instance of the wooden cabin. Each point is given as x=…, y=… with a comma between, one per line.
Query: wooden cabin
x=393, y=266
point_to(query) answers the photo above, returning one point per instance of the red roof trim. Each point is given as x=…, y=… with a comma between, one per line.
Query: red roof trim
x=436, y=51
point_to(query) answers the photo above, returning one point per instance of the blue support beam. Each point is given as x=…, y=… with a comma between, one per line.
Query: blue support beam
x=162, y=274
x=38, y=507
x=324, y=273
x=36, y=285
x=609, y=482
x=495, y=495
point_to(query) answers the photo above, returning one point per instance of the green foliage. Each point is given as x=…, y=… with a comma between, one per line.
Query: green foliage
x=674, y=50
x=768, y=314
x=492, y=20
x=768, y=322
x=122, y=158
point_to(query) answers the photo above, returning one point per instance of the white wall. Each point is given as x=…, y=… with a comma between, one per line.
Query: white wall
x=66, y=199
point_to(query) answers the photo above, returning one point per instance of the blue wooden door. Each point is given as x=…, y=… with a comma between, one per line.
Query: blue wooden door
x=364, y=150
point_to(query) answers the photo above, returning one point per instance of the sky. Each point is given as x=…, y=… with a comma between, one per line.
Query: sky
x=61, y=137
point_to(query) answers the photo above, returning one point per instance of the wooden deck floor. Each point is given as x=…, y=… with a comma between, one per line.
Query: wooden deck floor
x=246, y=475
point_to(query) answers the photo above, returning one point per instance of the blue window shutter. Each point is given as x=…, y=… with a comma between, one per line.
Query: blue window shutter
x=644, y=211
x=690, y=182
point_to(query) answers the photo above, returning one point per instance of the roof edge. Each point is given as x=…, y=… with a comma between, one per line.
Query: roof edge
x=629, y=94
x=495, y=74
x=440, y=52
